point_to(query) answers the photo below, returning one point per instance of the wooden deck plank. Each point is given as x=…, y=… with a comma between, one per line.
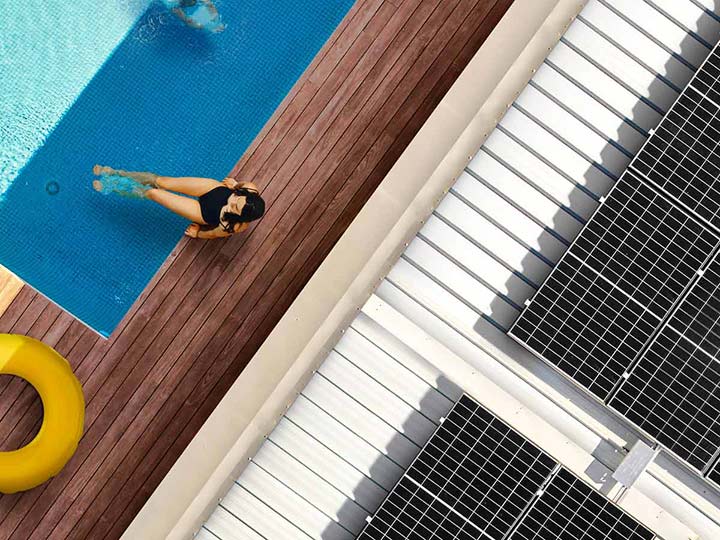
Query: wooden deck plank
x=150, y=387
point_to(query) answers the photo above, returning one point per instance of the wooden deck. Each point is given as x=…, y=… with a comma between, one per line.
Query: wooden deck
x=151, y=386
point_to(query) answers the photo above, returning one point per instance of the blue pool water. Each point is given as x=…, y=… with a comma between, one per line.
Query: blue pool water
x=124, y=83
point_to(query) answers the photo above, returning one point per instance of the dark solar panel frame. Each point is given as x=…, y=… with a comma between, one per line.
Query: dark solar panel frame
x=569, y=509
x=420, y=507
x=714, y=473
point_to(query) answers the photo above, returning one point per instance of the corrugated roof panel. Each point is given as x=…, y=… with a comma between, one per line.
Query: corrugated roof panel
x=572, y=131
x=376, y=399
x=556, y=153
x=647, y=18
x=691, y=16
x=516, y=221
x=312, y=487
x=563, y=191
x=472, y=260
x=623, y=68
x=295, y=509
x=592, y=112
x=498, y=176
x=324, y=462
x=636, y=43
x=603, y=86
x=222, y=524
x=494, y=241
x=372, y=460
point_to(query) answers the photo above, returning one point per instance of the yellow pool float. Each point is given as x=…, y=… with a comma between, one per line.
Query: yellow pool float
x=63, y=413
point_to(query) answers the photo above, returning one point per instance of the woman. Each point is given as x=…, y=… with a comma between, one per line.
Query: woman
x=200, y=14
x=218, y=209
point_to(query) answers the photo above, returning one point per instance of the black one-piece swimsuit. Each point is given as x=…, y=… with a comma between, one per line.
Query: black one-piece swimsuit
x=212, y=203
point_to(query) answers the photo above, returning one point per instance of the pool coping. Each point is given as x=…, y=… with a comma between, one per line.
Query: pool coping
x=367, y=250
x=10, y=286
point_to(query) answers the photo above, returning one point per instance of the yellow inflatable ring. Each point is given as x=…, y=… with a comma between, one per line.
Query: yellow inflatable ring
x=63, y=413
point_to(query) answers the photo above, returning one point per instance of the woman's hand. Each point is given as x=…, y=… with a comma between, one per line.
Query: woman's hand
x=192, y=230
x=230, y=183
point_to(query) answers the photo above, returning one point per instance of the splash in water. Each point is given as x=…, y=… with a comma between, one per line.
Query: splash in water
x=120, y=185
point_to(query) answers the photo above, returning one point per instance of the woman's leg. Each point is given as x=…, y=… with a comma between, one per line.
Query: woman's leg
x=182, y=206
x=188, y=185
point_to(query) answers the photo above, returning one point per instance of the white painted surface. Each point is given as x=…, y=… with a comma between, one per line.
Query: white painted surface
x=434, y=324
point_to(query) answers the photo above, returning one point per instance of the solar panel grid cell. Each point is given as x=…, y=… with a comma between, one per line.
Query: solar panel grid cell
x=571, y=510
x=589, y=329
x=698, y=315
x=673, y=394
x=412, y=513
x=707, y=79
x=683, y=155
x=646, y=245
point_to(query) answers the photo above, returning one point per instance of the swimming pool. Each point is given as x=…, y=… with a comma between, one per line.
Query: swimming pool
x=126, y=84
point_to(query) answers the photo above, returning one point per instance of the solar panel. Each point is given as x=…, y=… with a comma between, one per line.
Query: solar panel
x=683, y=155
x=475, y=470
x=585, y=326
x=569, y=509
x=631, y=311
x=698, y=315
x=707, y=79
x=644, y=244
x=608, y=295
x=479, y=478
x=674, y=391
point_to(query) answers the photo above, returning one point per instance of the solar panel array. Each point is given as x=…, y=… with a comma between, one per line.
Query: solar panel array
x=479, y=478
x=631, y=312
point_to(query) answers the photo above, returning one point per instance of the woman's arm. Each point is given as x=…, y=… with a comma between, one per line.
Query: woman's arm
x=196, y=231
x=231, y=183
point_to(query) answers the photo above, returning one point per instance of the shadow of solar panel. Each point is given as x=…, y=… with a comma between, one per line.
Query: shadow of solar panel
x=571, y=510
x=473, y=479
x=585, y=326
x=673, y=394
x=683, y=155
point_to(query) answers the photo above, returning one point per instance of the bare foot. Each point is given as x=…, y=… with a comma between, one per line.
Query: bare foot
x=101, y=169
x=97, y=185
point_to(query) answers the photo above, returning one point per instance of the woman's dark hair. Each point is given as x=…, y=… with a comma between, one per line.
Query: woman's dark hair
x=253, y=209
